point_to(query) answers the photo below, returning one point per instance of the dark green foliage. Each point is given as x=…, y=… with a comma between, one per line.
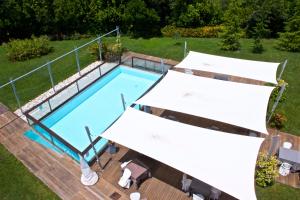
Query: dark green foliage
x=20, y=50
x=200, y=13
x=290, y=40
x=257, y=46
x=61, y=18
x=202, y=32
x=258, y=33
x=232, y=30
x=141, y=20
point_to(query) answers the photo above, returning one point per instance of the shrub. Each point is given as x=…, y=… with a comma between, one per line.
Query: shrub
x=266, y=170
x=232, y=31
x=278, y=120
x=110, y=52
x=276, y=91
x=290, y=40
x=202, y=32
x=20, y=50
x=257, y=46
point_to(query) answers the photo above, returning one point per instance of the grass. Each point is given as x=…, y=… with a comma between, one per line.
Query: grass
x=173, y=49
x=16, y=182
x=278, y=192
x=32, y=86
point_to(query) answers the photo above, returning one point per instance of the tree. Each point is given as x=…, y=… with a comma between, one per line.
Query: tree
x=231, y=35
x=142, y=21
x=290, y=40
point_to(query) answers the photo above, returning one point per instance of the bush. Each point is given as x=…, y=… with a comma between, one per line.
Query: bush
x=278, y=120
x=110, y=52
x=20, y=50
x=290, y=40
x=202, y=32
x=257, y=46
x=276, y=91
x=266, y=170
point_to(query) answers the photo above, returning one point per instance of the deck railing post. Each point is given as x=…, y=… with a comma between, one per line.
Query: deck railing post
x=276, y=101
x=90, y=138
x=100, y=48
x=282, y=69
x=132, y=61
x=77, y=60
x=15, y=93
x=185, y=49
x=123, y=101
x=162, y=65
x=50, y=75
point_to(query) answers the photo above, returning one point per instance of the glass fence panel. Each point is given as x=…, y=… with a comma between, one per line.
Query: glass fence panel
x=41, y=110
x=106, y=67
x=89, y=78
x=64, y=95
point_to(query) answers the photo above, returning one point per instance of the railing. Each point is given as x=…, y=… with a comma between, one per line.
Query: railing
x=62, y=96
x=46, y=76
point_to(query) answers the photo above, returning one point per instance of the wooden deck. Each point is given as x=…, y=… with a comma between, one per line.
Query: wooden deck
x=293, y=179
x=62, y=175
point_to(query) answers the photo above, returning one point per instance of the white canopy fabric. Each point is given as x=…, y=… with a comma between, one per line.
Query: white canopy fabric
x=256, y=70
x=223, y=160
x=239, y=104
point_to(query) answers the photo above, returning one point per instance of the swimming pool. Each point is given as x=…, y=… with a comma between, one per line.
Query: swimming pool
x=97, y=107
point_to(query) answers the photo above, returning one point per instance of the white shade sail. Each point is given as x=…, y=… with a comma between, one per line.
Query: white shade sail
x=222, y=160
x=256, y=70
x=239, y=104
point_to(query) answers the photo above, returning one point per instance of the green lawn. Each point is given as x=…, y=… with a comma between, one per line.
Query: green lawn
x=278, y=192
x=16, y=182
x=173, y=49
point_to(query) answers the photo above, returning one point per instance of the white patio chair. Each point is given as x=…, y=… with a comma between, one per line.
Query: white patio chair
x=287, y=145
x=198, y=197
x=135, y=196
x=284, y=169
x=125, y=179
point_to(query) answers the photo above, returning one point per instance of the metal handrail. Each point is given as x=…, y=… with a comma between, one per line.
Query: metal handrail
x=46, y=64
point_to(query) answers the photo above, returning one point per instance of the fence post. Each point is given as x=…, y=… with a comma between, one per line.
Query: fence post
x=100, y=48
x=277, y=101
x=185, y=49
x=118, y=43
x=77, y=61
x=162, y=65
x=50, y=75
x=123, y=101
x=282, y=69
x=90, y=138
x=16, y=94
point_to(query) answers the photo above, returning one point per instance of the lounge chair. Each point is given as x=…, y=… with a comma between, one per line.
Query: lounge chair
x=125, y=179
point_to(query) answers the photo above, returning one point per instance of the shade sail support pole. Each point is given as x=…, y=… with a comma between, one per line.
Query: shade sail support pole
x=282, y=69
x=16, y=94
x=123, y=101
x=276, y=101
x=91, y=141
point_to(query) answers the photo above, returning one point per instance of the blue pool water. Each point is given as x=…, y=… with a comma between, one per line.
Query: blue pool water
x=97, y=107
